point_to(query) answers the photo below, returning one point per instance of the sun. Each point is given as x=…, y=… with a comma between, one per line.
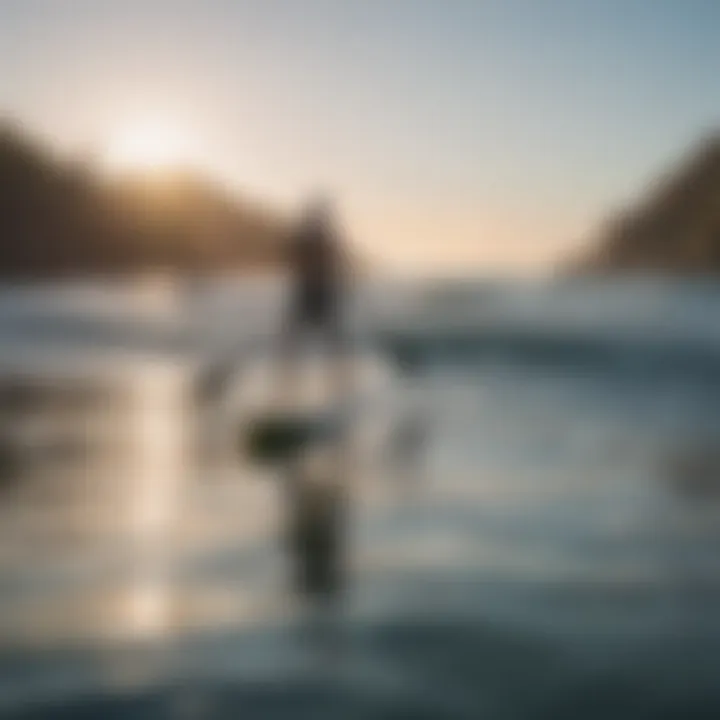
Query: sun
x=148, y=145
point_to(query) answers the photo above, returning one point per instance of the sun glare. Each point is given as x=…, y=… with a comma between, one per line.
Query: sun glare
x=148, y=145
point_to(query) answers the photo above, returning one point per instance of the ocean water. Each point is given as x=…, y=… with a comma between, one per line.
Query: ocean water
x=551, y=553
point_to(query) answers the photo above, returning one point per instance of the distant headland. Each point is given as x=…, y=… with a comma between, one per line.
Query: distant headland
x=674, y=229
x=63, y=217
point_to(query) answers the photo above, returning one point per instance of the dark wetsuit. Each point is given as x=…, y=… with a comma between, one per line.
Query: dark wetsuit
x=315, y=264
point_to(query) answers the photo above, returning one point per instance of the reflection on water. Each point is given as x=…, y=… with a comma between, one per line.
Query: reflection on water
x=160, y=443
x=565, y=535
x=99, y=465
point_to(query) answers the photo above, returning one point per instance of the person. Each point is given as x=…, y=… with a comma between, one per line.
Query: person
x=318, y=284
x=316, y=498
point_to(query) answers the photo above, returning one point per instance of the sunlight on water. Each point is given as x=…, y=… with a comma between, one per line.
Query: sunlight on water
x=156, y=480
x=160, y=448
x=148, y=608
x=562, y=513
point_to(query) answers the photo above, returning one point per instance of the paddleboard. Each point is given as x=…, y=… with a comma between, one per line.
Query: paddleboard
x=276, y=418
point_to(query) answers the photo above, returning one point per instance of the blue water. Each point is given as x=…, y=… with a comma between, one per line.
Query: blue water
x=557, y=556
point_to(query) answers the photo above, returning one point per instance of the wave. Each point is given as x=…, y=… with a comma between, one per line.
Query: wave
x=628, y=354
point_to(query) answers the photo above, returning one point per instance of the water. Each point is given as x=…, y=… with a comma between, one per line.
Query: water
x=556, y=557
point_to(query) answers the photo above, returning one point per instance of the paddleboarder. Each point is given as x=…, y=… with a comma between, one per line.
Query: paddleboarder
x=316, y=491
x=318, y=279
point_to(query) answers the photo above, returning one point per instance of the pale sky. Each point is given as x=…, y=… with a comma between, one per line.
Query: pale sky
x=457, y=135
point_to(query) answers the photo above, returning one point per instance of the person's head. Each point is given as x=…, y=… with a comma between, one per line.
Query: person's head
x=318, y=212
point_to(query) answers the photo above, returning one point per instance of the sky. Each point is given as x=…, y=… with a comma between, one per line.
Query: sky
x=457, y=136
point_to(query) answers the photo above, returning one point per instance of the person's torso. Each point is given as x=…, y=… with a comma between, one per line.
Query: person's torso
x=315, y=261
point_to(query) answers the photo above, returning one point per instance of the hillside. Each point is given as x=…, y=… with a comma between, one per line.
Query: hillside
x=61, y=217
x=675, y=228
